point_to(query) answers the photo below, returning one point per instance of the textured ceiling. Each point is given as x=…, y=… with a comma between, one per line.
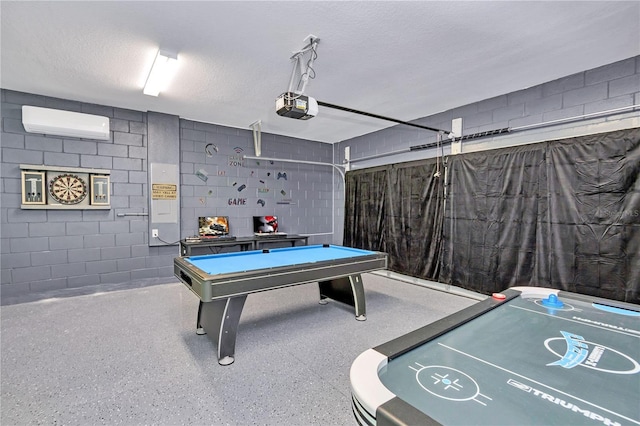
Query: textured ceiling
x=405, y=60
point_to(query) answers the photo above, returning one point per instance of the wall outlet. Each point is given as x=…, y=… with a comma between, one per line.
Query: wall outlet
x=154, y=233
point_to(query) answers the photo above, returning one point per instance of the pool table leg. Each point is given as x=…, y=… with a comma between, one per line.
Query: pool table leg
x=347, y=290
x=219, y=319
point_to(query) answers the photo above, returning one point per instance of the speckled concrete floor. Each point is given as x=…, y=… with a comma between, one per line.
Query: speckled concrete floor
x=132, y=356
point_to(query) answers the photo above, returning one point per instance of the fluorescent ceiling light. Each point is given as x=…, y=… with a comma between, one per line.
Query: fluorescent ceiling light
x=162, y=70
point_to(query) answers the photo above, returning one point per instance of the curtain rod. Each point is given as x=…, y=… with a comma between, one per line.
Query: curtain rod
x=527, y=127
x=562, y=120
x=494, y=132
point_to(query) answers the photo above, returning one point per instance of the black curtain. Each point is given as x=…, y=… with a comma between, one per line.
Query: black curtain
x=563, y=214
x=365, y=216
x=491, y=230
x=397, y=209
x=593, y=229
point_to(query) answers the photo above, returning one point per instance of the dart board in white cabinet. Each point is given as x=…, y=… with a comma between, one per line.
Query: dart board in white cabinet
x=62, y=188
x=68, y=188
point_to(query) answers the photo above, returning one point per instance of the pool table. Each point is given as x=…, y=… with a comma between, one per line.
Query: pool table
x=223, y=281
x=525, y=356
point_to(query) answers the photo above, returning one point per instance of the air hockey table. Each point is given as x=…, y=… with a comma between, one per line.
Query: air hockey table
x=526, y=356
x=223, y=281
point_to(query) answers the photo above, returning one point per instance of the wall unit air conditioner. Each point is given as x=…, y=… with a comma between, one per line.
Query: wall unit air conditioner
x=64, y=123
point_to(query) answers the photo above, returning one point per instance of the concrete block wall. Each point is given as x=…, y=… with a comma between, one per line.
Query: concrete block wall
x=612, y=86
x=45, y=250
x=216, y=180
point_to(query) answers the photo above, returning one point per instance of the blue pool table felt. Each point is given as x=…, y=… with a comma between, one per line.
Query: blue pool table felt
x=225, y=263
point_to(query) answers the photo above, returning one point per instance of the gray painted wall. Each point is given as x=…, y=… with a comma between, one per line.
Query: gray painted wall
x=608, y=87
x=44, y=250
x=301, y=195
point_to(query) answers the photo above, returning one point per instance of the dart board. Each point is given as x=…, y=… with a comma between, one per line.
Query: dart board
x=68, y=189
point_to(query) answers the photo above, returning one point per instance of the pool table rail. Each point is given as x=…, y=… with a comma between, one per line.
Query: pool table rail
x=222, y=295
x=211, y=287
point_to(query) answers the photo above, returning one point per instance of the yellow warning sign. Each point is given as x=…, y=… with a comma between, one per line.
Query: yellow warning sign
x=164, y=191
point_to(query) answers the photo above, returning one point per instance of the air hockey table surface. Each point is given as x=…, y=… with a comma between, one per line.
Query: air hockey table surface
x=527, y=356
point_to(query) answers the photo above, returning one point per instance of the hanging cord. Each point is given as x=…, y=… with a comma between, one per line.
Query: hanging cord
x=438, y=154
x=305, y=73
x=310, y=72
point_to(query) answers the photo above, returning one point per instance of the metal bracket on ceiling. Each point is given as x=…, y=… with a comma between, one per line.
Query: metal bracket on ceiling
x=256, y=128
x=304, y=68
